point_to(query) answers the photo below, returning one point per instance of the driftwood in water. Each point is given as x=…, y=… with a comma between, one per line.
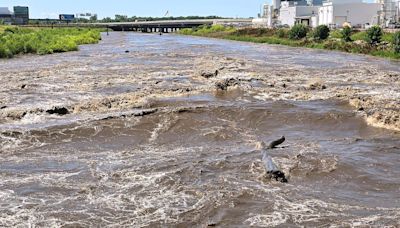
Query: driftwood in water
x=272, y=169
x=275, y=143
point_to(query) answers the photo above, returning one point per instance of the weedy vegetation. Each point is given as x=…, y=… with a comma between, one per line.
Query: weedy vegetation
x=16, y=40
x=374, y=41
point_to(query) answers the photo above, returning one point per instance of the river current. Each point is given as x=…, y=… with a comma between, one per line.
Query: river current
x=143, y=141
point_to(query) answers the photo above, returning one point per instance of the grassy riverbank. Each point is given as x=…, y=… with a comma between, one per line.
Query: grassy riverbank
x=358, y=41
x=15, y=40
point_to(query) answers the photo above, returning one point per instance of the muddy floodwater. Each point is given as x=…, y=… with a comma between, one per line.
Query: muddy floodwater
x=143, y=130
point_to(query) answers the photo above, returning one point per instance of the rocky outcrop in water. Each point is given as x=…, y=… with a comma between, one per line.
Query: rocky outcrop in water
x=209, y=74
x=224, y=84
x=58, y=110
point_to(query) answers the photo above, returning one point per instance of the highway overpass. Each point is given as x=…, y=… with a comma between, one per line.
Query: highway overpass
x=170, y=25
x=154, y=26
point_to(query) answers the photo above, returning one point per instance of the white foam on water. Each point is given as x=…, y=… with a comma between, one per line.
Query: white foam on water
x=164, y=125
x=269, y=220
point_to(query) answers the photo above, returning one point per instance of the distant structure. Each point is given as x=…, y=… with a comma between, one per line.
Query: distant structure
x=66, y=17
x=390, y=12
x=298, y=13
x=86, y=16
x=19, y=17
x=333, y=13
x=314, y=2
x=6, y=15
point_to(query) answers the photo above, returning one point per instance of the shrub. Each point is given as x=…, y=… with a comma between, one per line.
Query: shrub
x=207, y=30
x=298, y=32
x=186, y=31
x=374, y=35
x=282, y=33
x=396, y=42
x=217, y=28
x=321, y=32
x=257, y=32
x=346, y=33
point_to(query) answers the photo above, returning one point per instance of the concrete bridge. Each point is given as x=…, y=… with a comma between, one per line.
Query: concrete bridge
x=171, y=25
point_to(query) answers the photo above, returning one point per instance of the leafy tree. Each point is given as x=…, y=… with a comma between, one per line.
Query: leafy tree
x=346, y=33
x=321, y=32
x=298, y=32
x=93, y=18
x=121, y=18
x=107, y=19
x=374, y=35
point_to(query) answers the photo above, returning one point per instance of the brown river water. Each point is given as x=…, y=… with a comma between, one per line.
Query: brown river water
x=104, y=137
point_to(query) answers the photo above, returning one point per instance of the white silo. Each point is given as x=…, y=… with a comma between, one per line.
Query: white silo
x=276, y=4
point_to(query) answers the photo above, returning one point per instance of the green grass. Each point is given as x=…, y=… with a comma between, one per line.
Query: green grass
x=15, y=40
x=207, y=30
x=387, y=37
x=271, y=36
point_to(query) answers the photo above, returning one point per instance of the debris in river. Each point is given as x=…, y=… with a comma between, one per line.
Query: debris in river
x=224, y=84
x=209, y=74
x=59, y=111
x=317, y=86
x=273, y=171
x=127, y=51
x=23, y=86
x=275, y=143
x=139, y=113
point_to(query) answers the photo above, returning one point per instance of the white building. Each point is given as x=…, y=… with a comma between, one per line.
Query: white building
x=293, y=14
x=389, y=12
x=335, y=13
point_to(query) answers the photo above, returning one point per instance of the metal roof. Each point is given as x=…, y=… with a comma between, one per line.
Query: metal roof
x=5, y=11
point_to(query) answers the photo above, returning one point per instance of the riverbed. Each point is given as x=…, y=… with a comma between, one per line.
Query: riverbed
x=143, y=130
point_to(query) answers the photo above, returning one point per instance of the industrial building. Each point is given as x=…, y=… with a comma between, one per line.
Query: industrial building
x=333, y=13
x=20, y=16
x=295, y=14
x=390, y=12
x=6, y=15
